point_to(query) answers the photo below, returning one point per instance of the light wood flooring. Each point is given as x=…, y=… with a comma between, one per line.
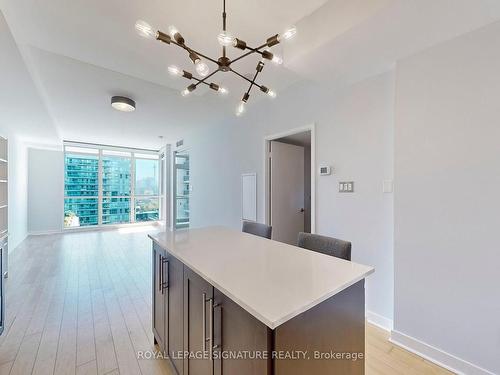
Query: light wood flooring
x=80, y=303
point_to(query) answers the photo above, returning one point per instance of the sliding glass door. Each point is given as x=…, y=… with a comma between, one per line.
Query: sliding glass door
x=116, y=169
x=147, y=199
x=105, y=186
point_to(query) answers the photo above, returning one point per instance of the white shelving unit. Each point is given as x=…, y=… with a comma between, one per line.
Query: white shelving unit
x=4, y=222
x=4, y=190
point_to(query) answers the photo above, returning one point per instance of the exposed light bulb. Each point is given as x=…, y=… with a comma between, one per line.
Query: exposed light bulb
x=277, y=60
x=201, y=68
x=145, y=30
x=175, y=71
x=223, y=91
x=240, y=109
x=226, y=39
x=288, y=33
x=271, y=93
x=185, y=92
x=172, y=30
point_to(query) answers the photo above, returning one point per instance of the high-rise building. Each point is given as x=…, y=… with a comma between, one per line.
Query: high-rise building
x=121, y=195
x=81, y=189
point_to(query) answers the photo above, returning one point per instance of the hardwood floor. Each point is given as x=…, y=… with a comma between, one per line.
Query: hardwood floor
x=80, y=303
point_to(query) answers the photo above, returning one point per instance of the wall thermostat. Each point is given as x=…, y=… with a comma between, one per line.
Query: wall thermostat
x=325, y=170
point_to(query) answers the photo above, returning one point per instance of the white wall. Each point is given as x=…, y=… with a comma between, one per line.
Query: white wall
x=18, y=192
x=45, y=190
x=447, y=198
x=354, y=131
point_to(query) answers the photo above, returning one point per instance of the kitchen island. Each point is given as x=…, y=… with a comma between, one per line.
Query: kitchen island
x=226, y=302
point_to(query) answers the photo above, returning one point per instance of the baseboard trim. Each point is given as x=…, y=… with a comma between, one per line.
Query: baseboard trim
x=379, y=320
x=435, y=355
x=44, y=232
x=94, y=228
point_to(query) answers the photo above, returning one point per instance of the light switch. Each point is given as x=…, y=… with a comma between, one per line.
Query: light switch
x=346, y=187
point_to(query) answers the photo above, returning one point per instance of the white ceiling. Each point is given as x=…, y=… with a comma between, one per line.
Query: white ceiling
x=78, y=53
x=80, y=104
x=394, y=29
x=22, y=112
x=102, y=32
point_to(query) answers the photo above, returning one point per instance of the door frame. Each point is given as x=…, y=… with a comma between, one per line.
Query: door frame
x=165, y=182
x=267, y=170
x=173, y=186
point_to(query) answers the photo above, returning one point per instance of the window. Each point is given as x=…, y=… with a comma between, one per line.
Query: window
x=116, y=188
x=110, y=186
x=81, y=190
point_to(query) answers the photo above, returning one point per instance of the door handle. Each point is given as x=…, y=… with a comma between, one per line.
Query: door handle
x=302, y=210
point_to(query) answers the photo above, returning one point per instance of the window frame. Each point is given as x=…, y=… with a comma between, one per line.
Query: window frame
x=153, y=155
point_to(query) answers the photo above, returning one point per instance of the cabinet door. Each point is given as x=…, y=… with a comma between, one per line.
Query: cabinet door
x=158, y=297
x=175, y=314
x=198, y=324
x=236, y=330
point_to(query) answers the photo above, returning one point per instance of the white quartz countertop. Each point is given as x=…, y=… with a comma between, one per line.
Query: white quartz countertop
x=271, y=280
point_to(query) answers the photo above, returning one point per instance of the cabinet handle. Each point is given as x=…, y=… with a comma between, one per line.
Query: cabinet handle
x=204, y=321
x=164, y=279
x=213, y=346
x=217, y=346
x=211, y=329
x=160, y=273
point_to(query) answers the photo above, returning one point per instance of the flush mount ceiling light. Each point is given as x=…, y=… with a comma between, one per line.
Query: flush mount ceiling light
x=223, y=63
x=121, y=103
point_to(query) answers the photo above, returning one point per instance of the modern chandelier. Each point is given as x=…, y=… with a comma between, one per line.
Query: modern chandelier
x=224, y=64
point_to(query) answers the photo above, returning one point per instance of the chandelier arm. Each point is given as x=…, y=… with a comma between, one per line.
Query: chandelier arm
x=205, y=83
x=252, y=50
x=245, y=78
x=253, y=82
x=223, y=24
x=184, y=47
x=204, y=79
x=224, y=15
x=202, y=55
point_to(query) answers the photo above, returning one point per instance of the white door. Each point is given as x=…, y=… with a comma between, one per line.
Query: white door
x=287, y=191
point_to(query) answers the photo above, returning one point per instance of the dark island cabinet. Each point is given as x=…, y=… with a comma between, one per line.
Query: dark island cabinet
x=209, y=326
x=238, y=334
x=203, y=331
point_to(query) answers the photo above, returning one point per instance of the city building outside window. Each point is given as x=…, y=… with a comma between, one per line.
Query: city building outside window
x=110, y=185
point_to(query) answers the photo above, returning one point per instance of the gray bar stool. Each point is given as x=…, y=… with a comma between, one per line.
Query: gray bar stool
x=258, y=229
x=325, y=245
